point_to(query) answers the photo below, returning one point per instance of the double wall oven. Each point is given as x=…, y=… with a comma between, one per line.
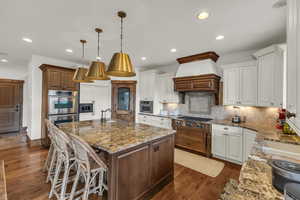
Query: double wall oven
x=62, y=106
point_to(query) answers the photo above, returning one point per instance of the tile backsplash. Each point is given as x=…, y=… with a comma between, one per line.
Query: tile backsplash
x=258, y=115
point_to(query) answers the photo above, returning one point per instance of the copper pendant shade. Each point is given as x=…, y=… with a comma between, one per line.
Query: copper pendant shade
x=97, y=68
x=80, y=73
x=120, y=64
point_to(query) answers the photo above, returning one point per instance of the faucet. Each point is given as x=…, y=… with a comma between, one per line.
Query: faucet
x=103, y=119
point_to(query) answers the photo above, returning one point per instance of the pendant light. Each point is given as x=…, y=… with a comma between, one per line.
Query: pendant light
x=97, y=68
x=80, y=73
x=120, y=64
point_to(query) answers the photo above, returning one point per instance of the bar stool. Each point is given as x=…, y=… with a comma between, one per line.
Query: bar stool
x=65, y=161
x=90, y=167
x=52, y=154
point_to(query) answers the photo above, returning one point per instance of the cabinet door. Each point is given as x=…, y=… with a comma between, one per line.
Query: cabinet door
x=54, y=79
x=234, y=146
x=266, y=74
x=162, y=159
x=231, y=86
x=249, y=140
x=133, y=167
x=248, y=85
x=67, y=81
x=218, y=143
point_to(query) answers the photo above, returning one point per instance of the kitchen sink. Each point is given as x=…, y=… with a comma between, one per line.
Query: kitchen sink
x=282, y=149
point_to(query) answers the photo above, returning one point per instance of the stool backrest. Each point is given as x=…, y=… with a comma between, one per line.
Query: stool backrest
x=84, y=153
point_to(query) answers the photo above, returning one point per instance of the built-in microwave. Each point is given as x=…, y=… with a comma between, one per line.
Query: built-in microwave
x=146, y=106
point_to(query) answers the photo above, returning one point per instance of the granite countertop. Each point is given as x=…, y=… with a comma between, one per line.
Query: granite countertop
x=255, y=181
x=114, y=136
x=265, y=132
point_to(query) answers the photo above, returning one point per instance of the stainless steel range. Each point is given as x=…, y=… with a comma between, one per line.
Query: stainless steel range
x=193, y=134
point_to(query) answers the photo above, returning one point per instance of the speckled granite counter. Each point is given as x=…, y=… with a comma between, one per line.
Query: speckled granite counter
x=255, y=181
x=114, y=136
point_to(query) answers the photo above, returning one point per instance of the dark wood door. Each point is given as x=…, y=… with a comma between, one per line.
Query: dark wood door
x=10, y=105
x=162, y=159
x=123, y=100
x=67, y=81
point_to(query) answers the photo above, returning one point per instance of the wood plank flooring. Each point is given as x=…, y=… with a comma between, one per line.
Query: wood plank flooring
x=26, y=181
x=3, y=195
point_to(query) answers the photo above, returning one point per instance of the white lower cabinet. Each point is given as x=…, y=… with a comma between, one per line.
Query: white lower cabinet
x=232, y=143
x=157, y=121
x=249, y=140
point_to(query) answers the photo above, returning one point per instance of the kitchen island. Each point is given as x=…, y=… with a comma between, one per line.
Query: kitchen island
x=140, y=158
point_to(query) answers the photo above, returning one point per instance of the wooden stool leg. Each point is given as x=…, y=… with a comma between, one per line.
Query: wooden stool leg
x=57, y=172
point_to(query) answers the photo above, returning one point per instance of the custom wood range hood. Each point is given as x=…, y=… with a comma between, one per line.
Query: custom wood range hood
x=198, y=73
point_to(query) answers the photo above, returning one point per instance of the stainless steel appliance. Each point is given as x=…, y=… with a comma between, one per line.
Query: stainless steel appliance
x=59, y=119
x=292, y=191
x=86, y=108
x=193, y=133
x=62, y=106
x=62, y=102
x=146, y=106
x=284, y=172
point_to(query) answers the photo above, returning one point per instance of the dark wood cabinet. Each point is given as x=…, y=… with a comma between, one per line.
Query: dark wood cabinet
x=162, y=161
x=54, y=78
x=208, y=82
x=137, y=173
x=123, y=100
x=132, y=168
x=59, y=79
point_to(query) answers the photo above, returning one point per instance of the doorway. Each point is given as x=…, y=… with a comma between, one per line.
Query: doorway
x=11, y=105
x=123, y=100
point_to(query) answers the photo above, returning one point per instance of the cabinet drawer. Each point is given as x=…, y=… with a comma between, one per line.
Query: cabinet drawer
x=231, y=129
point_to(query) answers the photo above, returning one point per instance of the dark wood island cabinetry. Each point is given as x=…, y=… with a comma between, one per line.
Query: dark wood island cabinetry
x=140, y=157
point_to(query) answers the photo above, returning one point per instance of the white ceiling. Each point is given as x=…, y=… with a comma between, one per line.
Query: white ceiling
x=152, y=28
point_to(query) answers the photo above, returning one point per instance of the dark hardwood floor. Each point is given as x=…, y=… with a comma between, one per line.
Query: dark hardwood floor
x=26, y=181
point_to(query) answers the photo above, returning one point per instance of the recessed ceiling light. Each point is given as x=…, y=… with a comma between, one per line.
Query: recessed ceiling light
x=143, y=58
x=4, y=60
x=69, y=50
x=173, y=50
x=220, y=37
x=27, y=39
x=203, y=15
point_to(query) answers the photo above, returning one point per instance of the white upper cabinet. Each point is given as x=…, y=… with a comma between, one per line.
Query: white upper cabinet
x=240, y=84
x=270, y=76
x=147, y=83
x=293, y=63
x=165, y=88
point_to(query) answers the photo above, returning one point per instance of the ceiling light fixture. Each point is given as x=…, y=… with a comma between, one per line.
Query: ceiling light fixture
x=143, y=58
x=220, y=37
x=80, y=73
x=97, y=68
x=120, y=64
x=69, y=50
x=4, y=60
x=203, y=15
x=27, y=39
x=173, y=50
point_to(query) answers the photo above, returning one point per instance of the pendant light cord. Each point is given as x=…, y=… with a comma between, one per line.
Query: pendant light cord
x=121, y=36
x=82, y=50
x=98, y=49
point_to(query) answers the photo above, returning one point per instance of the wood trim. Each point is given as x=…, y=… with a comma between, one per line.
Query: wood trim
x=3, y=191
x=123, y=82
x=4, y=80
x=202, y=56
x=44, y=67
x=33, y=143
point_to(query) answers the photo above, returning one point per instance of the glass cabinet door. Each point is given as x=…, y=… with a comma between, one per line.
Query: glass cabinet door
x=124, y=98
